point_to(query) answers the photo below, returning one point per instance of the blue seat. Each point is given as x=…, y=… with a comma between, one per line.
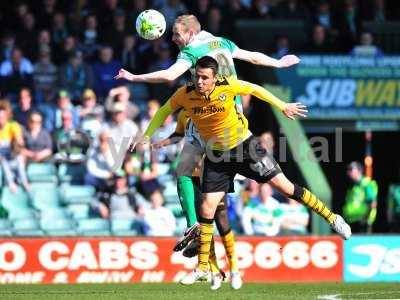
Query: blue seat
x=21, y=213
x=42, y=172
x=93, y=227
x=14, y=201
x=58, y=226
x=29, y=232
x=71, y=173
x=125, y=227
x=6, y=232
x=45, y=196
x=79, y=211
x=77, y=193
x=26, y=224
x=5, y=224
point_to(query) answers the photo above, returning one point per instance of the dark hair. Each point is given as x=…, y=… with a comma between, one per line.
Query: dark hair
x=207, y=62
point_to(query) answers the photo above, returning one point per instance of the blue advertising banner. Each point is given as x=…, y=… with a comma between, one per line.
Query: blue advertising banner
x=375, y=258
x=345, y=87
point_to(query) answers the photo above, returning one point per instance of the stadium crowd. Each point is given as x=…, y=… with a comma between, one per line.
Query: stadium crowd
x=61, y=106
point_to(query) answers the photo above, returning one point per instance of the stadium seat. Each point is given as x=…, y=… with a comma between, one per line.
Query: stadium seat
x=16, y=200
x=55, y=213
x=79, y=211
x=45, y=196
x=41, y=172
x=77, y=193
x=125, y=227
x=26, y=224
x=21, y=213
x=175, y=208
x=5, y=224
x=180, y=226
x=29, y=232
x=71, y=173
x=93, y=227
x=58, y=226
x=6, y=232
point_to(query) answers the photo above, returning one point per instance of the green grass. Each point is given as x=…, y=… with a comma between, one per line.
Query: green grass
x=162, y=291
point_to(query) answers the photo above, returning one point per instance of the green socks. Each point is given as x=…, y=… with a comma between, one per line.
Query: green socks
x=187, y=198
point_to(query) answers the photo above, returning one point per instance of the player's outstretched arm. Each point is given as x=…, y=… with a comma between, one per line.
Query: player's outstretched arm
x=167, y=75
x=261, y=59
x=155, y=123
x=290, y=110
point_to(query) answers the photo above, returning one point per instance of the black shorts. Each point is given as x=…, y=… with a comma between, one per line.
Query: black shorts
x=248, y=159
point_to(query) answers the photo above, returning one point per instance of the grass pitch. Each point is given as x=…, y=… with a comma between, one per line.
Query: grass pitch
x=161, y=291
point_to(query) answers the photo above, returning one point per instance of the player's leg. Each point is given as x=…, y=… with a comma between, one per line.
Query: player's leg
x=262, y=167
x=228, y=239
x=303, y=195
x=189, y=158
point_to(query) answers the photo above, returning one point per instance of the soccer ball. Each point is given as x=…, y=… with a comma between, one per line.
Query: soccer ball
x=150, y=24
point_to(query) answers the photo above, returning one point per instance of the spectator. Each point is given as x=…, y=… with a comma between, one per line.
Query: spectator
x=72, y=144
x=159, y=220
x=323, y=15
x=235, y=10
x=16, y=73
x=114, y=35
x=295, y=218
x=261, y=9
x=100, y=162
x=282, y=46
x=104, y=71
x=361, y=200
x=106, y=11
x=38, y=143
x=121, y=128
x=162, y=62
x=122, y=202
x=45, y=76
x=292, y=10
x=76, y=75
x=43, y=40
x=152, y=107
x=367, y=47
x=135, y=7
x=319, y=43
x=123, y=95
x=24, y=108
x=200, y=10
x=7, y=45
x=215, y=24
x=349, y=24
x=90, y=37
x=46, y=11
x=70, y=45
x=128, y=54
x=26, y=37
x=59, y=30
x=263, y=216
x=53, y=114
x=11, y=143
x=91, y=114
x=171, y=9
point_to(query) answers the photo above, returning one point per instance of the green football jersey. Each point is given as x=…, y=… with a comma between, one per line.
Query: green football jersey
x=206, y=44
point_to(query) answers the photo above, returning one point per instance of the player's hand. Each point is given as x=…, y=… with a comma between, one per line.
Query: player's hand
x=288, y=60
x=293, y=110
x=139, y=139
x=124, y=74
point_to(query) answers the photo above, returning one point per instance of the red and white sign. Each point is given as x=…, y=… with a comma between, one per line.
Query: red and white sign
x=98, y=260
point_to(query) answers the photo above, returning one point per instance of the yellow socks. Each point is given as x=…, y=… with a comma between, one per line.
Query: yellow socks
x=229, y=244
x=311, y=201
x=206, y=235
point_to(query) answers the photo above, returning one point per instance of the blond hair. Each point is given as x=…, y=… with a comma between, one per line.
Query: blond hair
x=6, y=106
x=189, y=22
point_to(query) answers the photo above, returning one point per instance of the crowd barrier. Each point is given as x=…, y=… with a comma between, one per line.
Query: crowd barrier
x=142, y=259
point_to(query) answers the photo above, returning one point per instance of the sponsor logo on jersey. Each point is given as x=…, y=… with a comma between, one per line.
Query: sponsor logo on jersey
x=207, y=110
x=222, y=97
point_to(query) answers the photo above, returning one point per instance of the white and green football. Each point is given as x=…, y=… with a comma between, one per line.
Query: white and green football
x=150, y=24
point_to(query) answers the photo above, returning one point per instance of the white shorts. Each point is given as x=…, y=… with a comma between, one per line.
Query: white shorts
x=192, y=151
